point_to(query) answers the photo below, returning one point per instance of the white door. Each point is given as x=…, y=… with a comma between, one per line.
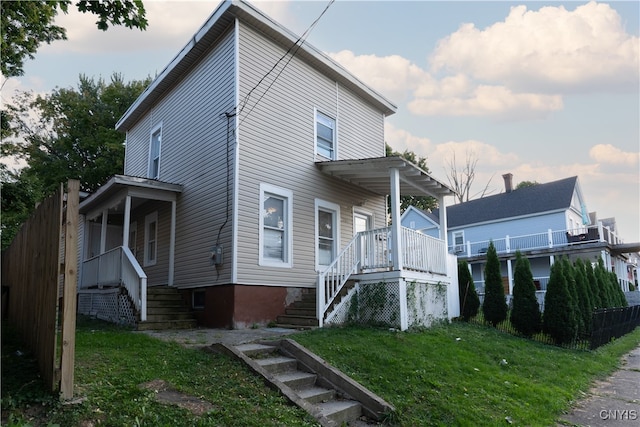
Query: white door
x=363, y=221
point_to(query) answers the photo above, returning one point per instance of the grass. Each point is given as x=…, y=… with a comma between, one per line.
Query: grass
x=448, y=375
x=467, y=375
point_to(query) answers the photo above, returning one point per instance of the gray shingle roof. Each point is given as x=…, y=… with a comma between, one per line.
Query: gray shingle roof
x=524, y=201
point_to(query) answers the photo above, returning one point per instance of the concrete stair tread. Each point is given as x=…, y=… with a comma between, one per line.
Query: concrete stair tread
x=340, y=410
x=315, y=394
x=278, y=364
x=251, y=349
x=296, y=379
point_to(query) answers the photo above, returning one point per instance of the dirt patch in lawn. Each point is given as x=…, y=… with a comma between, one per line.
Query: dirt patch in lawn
x=170, y=396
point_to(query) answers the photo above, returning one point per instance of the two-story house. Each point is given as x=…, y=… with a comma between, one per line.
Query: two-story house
x=255, y=174
x=543, y=222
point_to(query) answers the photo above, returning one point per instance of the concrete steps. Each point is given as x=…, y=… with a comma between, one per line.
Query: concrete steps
x=166, y=310
x=300, y=314
x=331, y=397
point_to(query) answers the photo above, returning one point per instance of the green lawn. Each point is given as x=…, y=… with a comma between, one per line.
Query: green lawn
x=448, y=375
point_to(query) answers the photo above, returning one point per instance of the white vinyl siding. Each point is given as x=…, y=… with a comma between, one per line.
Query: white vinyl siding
x=275, y=226
x=283, y=122
x=198, y=153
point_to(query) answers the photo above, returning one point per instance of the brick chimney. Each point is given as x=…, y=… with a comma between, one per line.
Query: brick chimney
x=508, y=182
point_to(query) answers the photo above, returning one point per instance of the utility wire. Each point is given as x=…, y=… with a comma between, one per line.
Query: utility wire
x=293, y=49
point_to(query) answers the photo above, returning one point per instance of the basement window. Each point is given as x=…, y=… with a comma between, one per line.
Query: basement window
x=197, y=300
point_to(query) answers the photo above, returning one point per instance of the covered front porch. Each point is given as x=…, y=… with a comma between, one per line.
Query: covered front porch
x=409, y=275
x=112, y=282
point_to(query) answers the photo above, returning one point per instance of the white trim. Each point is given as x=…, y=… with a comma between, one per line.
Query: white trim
x=149, y=219
x=236, y=158
x=335, y=209
x=287, y=226
x=172, y=243
x=456, y=246
x=156, y=129
x=133, y=230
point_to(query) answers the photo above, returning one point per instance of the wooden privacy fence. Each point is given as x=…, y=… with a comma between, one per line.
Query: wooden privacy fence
x=39, y=269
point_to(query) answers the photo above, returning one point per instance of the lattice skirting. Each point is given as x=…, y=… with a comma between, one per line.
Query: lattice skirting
x=378, y=303
x=112, y=305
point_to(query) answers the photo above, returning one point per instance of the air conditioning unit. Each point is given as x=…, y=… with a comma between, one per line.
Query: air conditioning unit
x=458, y=249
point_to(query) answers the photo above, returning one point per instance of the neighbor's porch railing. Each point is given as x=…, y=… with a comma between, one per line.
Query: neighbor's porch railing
x=117, y=267
x=548, y=239
x=370, y=251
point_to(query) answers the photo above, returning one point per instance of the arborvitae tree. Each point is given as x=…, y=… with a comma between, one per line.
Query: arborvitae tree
x=469, y=301
x=495, y=304
x=594, y=292
x=558, y=320
x=569, y=274
x=616, y=291
x=603, y=286
x=525, y=314
x=584, y=299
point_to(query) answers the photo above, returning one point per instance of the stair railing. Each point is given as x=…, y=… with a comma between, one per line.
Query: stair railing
x=135, y=281
x=333, y=278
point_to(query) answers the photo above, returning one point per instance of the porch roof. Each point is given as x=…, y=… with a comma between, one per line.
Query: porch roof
x=373, y=174
x=119, y=186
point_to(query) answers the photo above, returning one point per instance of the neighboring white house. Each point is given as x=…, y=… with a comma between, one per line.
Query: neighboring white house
x=255, y=173
x=543, y=221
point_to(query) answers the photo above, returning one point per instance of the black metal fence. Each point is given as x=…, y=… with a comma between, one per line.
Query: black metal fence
x=609, y=323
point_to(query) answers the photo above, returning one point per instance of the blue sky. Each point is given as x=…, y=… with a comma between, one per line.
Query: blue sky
x=543, y=89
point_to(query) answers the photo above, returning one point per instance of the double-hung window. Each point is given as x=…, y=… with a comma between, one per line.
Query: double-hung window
x=325, y=136
x=275, y=226
x=154, y=152
x=151, y=239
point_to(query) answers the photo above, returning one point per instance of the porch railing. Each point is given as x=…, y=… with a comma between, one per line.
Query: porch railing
x=548, y=239
x=370, y=251
x=117, y=267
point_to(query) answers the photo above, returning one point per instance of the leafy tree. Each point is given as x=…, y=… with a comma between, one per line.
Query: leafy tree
x=421, y=202
x=25, y=25
x=525, y=184
x=559, y=318
x=74, y=134
x=469, y=300
x=584, y=295
x=494, y=307
x=525, y=314
x=20, y=193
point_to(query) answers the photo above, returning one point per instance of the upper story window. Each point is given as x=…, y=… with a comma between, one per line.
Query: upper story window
x=154, y=152
x=275, y=226
x=325, y=136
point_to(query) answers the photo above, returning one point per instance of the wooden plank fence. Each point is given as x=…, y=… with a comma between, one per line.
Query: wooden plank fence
x=40, y=261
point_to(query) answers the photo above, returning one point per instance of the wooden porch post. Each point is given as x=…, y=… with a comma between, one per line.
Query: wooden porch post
x=396, y=239
x=443, y=224
x=172, y=243
x=127, y=219
x=103, y=231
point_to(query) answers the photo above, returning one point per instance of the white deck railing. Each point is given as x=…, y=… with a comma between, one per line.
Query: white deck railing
x=548, y=239
x=370, y=251
x=117, y=266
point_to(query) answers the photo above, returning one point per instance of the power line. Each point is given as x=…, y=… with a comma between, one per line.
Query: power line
x=296, y=45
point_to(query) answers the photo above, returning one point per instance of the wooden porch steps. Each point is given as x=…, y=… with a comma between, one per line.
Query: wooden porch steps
x=331, y=397
x=300, y=314
x=166, y=310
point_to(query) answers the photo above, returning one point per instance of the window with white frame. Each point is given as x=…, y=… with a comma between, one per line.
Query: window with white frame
x=155, y=149
x=327, y=232
x=275, y=226
x=458, y=241
x=325, y=136
x=151, y=239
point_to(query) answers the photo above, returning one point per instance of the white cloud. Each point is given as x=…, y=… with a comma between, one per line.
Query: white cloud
x=393, y=76
x=608, y=154
x=552, y=50
x=485, y=100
